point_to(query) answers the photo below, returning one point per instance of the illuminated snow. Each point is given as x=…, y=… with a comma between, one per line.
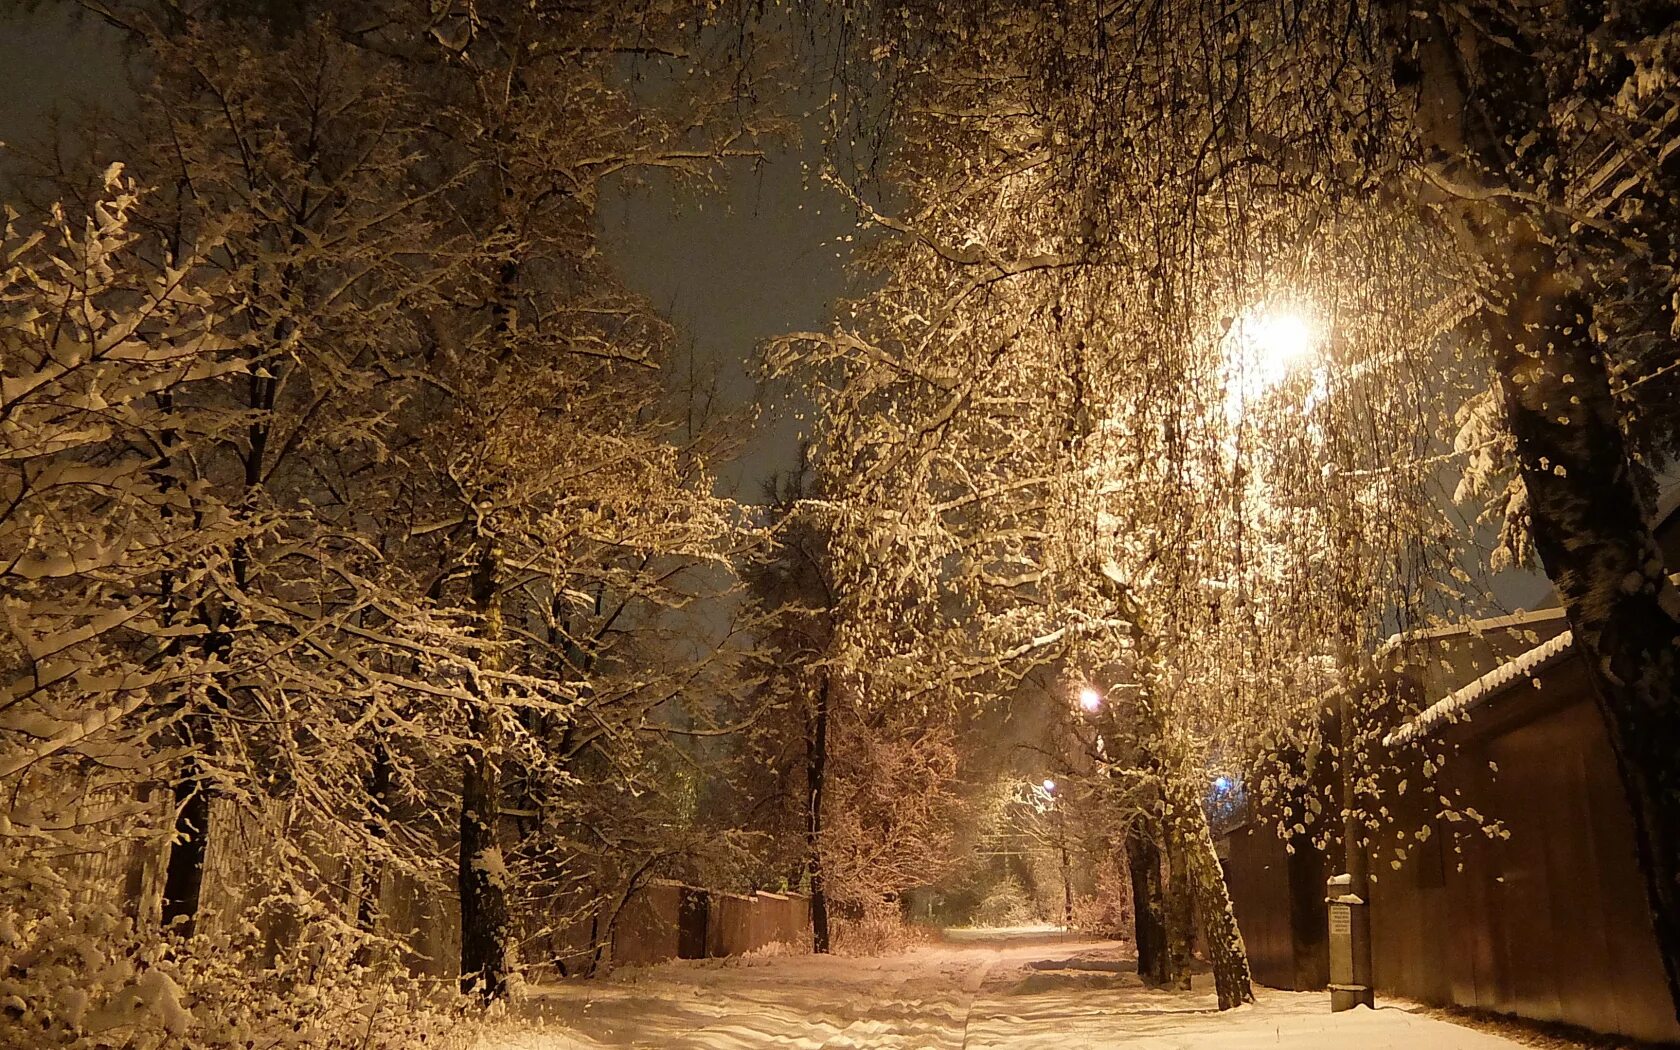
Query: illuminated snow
x=1027, y=991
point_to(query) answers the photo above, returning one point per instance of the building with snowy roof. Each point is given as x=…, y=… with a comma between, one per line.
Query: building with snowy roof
x=1504, y=872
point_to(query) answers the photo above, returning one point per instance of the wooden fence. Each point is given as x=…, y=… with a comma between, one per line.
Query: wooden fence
x=667, y=920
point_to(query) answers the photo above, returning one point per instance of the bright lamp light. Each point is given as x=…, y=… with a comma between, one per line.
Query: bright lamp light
x=1265, y=345
x=1090, y=700
x=1278, y=340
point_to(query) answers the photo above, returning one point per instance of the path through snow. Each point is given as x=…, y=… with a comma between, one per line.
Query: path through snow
x=996, y=994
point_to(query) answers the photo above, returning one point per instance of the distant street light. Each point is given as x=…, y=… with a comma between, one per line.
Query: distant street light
x=1047, y=791
x=1090, y=700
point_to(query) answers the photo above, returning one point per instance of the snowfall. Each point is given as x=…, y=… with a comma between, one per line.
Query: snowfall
x=1022, y=992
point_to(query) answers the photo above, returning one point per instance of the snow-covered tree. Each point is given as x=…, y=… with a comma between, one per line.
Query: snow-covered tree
x=100, y=531
x=791, y=583
x=453, y=526
x=1541, y=132
x=1416, y=184
x=1068, y=431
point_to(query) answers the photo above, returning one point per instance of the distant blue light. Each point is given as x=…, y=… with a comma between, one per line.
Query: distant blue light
x=1222, y=783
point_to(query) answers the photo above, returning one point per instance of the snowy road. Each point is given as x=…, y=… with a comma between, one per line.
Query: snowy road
x=980, y=995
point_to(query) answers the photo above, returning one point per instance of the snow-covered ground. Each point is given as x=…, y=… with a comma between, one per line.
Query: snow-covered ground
x=975, y=994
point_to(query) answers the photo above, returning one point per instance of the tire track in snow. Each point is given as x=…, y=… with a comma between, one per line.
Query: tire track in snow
x=972, y=988
x=921, y=1012
x=935, y=997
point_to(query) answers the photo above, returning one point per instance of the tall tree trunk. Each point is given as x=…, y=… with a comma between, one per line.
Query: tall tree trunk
x=482, y=873
x=1211, y=899
x=135, y=875
x=816, y=762
x=1196, y=884
x=378, y=787
x=183, y=884
x=1143, y=864
x=183, y=878
x=181, y=888
x=1067, y=869
x=1180, y=914
x=189, y=848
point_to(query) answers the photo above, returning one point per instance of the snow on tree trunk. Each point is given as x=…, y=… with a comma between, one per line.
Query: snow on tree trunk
x=1197, y=890
x=379, y=794
x=483, y=875
x=482, y=872
x=1211, y=899
x=1591, y=534
x=1180, y=915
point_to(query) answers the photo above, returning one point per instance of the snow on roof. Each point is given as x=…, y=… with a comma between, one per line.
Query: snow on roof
x=1668, y=505
x=1474, y=628
x=1460, y=702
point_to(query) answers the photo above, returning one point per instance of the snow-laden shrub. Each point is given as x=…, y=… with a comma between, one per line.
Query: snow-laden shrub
x=764, y=955
x=1005, y=904
x=880, y=930
x=76, y=974
x=1107, y=910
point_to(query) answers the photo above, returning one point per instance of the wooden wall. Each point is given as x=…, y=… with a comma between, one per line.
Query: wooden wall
x=1279, y=900
x=1258, y=877
x=1545, y=918
x=649, y=929
x=744, y=923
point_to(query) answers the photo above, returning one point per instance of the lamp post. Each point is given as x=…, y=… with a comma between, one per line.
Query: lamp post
x=1347, y=895
x=1048, y=790
x=1061, y=844
x=1266, y=345
x=1091, y=702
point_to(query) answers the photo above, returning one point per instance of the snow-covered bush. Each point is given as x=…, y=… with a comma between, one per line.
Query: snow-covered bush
x=1107, y=910
x=765, y=955
x=1005, y=904
x=80, y=975
x=879, y=930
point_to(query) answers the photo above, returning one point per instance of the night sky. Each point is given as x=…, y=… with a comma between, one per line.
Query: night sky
x=48, y=59
x=763, y=256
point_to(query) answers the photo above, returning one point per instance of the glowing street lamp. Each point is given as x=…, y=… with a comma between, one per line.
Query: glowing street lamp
x=1090, y=701
x=1049, y=787
x=1277, y=341
x=1264, y=346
